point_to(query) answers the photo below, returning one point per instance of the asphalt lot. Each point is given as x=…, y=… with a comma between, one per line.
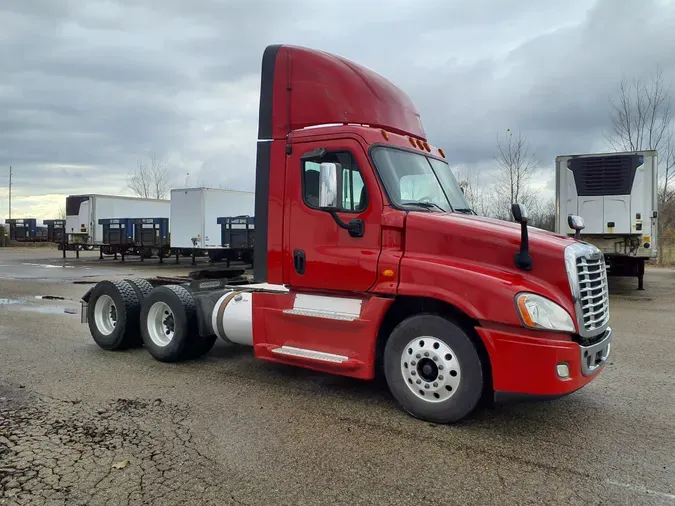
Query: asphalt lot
x=79, y=425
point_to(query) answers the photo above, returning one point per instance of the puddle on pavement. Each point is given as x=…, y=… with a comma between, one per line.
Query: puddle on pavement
x=23, y=304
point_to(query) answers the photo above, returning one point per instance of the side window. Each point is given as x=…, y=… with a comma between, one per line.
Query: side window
x=354, y=194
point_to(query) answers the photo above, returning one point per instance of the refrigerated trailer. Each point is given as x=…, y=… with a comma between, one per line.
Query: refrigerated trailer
x=616, y=194
x=83, y=213
x=353, y=275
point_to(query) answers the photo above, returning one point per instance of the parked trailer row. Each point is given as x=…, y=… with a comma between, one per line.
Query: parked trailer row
x=27, y=230
x=147, y=237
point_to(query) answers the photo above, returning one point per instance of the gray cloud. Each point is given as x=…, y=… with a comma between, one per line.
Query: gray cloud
x=88, y=88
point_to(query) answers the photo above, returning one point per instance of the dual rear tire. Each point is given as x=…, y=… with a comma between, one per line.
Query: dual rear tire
x=130, y=313
x=169, y=325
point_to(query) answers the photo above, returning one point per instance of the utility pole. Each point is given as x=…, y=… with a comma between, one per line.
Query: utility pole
x=10, y=192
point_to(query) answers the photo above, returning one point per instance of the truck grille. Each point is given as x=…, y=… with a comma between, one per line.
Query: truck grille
x=593, y=293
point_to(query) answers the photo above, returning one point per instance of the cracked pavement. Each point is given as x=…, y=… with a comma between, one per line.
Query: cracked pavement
x=79, y=425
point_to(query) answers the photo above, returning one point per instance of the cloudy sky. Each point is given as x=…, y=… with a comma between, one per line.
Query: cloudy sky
x=90, y=87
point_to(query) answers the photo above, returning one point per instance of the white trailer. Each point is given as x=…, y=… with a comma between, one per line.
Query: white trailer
x=84, y=211
x=195, y=213
x=616, y=195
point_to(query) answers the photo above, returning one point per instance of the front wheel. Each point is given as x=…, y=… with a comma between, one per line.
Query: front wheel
x=433, y=369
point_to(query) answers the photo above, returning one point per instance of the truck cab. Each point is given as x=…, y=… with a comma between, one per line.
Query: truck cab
x=368, y=259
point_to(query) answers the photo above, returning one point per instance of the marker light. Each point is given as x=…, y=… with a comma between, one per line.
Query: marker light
x=385, y=135
x=440, y=152
x=537, y=312
x=426, y=146
x=412, y=141
x=419, y=144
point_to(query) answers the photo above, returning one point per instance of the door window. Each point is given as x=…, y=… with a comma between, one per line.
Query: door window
x=354, y=195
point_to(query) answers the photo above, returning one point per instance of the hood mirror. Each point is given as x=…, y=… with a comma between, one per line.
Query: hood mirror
x=522, y=259
x=576, y=223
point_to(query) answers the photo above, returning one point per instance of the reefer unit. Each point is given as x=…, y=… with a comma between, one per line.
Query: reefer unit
x=195, y=213
x=83, y=213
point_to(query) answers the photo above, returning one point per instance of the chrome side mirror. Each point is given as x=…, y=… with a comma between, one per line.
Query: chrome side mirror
x=329, y=186
x=576, y=223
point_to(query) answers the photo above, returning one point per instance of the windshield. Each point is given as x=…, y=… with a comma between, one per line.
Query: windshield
x=415, y=180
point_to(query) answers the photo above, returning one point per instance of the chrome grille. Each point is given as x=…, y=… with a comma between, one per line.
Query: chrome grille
x=593, y=292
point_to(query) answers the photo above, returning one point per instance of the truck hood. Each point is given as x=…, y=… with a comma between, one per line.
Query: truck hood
x=489, y=245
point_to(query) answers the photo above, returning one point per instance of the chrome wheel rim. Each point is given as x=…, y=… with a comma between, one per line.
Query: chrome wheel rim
x=105, y=315
x=430, y=369
x=160, y=324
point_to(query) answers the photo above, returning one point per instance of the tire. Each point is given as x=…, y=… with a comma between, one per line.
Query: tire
x=169, y=323
x=113, y=313
x=433, y=369
x=142, y=287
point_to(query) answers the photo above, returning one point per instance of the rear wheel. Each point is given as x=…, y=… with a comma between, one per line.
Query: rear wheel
x=113, y=314
x=169, y=323
x=142, y=287
x=433, y=369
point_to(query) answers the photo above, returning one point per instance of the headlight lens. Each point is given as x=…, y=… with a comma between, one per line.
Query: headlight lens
x=538, y=312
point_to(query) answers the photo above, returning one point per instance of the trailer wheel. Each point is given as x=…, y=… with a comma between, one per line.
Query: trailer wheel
x=113, y=312
x=433, y=369
x=169, y=323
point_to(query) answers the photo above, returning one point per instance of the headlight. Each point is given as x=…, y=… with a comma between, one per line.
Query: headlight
x=538, y=312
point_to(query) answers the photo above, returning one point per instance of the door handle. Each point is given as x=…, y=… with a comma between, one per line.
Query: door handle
x=299, y=261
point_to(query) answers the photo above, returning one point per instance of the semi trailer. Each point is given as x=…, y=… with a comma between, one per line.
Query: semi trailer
x=83, y=213
x=195, y=213
x=617, y=196
x=357, y=275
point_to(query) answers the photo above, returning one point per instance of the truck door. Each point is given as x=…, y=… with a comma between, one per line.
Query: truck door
x=318, y=254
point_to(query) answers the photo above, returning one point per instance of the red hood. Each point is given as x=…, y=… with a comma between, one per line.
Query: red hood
x=480, y=243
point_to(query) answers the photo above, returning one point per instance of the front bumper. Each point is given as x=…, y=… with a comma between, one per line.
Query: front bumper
x=527, y=365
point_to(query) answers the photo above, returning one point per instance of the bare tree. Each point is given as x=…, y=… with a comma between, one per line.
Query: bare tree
x=476, y=195
x=61, y=213
x=542, y=213
x=150, y=180
x=517, y=164
x=642, y=118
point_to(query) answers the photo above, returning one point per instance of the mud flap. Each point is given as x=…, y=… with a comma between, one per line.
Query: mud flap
x=83, y=312
x=84, y=304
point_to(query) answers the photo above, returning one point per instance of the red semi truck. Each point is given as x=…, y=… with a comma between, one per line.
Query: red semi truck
x=368, y=259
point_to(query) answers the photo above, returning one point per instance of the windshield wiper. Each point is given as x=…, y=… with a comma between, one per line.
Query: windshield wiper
x=463, y=210
x=427, y=205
